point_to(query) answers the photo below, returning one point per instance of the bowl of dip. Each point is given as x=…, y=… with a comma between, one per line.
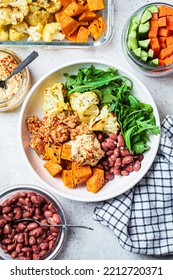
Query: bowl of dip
x=18, y=86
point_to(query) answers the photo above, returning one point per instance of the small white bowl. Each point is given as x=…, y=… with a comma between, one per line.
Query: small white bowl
x=32, y=106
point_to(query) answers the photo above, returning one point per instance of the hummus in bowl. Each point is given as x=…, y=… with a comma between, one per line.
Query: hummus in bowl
x=17, y=86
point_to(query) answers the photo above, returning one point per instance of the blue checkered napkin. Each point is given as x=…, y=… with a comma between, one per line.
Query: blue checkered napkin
x=142, y=218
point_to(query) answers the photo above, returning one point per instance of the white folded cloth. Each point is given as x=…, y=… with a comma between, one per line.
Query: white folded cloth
x=142, y=218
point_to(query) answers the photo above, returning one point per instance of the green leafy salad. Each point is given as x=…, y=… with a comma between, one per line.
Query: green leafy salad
x=136, y=119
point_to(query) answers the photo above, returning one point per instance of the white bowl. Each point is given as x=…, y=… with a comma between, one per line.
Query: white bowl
x=32, y=106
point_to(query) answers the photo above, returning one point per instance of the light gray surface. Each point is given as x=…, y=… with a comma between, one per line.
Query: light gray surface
x=81, y=244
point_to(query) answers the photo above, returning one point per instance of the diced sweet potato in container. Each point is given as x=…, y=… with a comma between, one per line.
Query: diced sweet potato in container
x=52, y=167
x=95, y=5
x=80, y=173
x=96, y=180
x=83, y=34
x=87, y=15
x=65, y=3
x=74, y=9
x=66, y=152
x=68, y=24
x=67, y=178
x=97, y=28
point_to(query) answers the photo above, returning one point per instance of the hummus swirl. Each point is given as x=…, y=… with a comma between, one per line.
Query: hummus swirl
x=7, y=65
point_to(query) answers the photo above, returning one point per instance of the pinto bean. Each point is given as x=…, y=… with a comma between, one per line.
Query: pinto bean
x=120, y=139
x=127, y=160
x=109, y=175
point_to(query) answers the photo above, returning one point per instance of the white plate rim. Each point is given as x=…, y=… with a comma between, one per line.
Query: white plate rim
x=31, y=92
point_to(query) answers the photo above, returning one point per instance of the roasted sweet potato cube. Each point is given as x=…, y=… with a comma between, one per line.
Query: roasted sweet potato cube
x=53, y=167
x=66, y=152
x=68, y=164
x=74, y=9
x=97, y=28
x=53, y=152
x=80, y=173
x=59, y=14
x=96, y=180
x=95, y=5
x=87, y=15
x=67, y=178
x=68, y=24
x=83, y=34
x=65, y=3
x=72, y=37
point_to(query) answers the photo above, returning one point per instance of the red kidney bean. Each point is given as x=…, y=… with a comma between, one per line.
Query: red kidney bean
x=26, y=239
x=137, y=165
x=7, y=218
x=2, y=223
x=25, y=249
x=108, y=175
x=20, y=238
x=124, y=173
x=117, y=171
x=23, y=194
x=21, y=226
x=11, y=247
x=18, y=248
x=32, y=226
x=109, y=153
x=6, y=209
x=37, y=211
x=35, y=257
x=7, y=229
x=124, y=153
x=51, y=244
x=57, y=218
x=32, y=240
x=39, y=240
x=42, y=253
x=129, y=168
x=12, y=234
x=6, y=241
x=100, y=137
x=116, y=152
x=27, y=214
x=35, y=249
x=44, y=246
x=47, y=214
x=113, y=136
x=36, y=232
x=6, y=203
x=120, y=139
x=14, y=254
x=22, y=200
x=127, y=160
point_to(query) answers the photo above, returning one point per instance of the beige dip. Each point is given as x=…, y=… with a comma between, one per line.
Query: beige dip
x=86, y=150
x=7, y=65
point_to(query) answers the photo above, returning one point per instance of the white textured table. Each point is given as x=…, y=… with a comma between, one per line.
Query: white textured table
x=81, y=244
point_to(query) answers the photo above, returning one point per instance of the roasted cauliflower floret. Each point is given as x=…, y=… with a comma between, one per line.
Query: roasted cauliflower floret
x=35, y=32
x=52, y=6
x=38, y=15
x=53, y=103
x=52, y=31
x=18, y=32
x=13, y=12
x=3, y=33
x=55, y=6
x=85, y=105
x=105, y=121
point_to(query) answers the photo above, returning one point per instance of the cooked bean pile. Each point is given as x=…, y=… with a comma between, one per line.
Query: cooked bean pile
x=117, y=159
x=28, y=240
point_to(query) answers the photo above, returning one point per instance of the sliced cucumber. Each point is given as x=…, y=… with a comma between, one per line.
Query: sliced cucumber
x=144, y=44
x=132, y=40
x=134, y=23
x=137, y=52
x=153, y=9
x=154, y=62
x=143, y=29
x=146, y=16
x=150, y=54
x=144, y=56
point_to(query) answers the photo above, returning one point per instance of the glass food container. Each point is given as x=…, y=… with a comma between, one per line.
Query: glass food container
x=8, y=192
x=136, y=62
x=107, y=13
x=18, y=86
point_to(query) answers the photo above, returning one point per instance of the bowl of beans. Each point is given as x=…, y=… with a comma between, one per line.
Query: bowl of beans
x=27, y=240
